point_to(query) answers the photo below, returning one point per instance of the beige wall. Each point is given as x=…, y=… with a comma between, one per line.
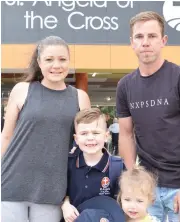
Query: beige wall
x=85, y=57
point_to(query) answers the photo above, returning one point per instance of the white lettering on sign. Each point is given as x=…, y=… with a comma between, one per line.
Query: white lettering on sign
x=127, y=4
x=16, y=2
x=75, y=18
x=49, y=22
x=69, y=6
x=95, y=23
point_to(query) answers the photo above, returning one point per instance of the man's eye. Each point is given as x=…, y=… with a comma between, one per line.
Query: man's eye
x=48, y=60
x=152, y=36
x=139, y=37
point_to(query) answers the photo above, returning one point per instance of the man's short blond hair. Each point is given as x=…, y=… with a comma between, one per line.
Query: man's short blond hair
x=140, y=180
x=147, y=16
x=88, y=116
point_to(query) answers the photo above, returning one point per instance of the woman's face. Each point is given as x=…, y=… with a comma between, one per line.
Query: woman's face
x=54, y=63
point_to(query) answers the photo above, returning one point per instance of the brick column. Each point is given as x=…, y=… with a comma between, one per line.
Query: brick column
x=82, y=81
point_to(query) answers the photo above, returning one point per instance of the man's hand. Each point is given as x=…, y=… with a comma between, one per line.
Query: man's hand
x=70, y=213
x=177, y=203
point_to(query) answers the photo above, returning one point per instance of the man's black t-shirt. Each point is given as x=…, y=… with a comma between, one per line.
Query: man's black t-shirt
x=153, y=102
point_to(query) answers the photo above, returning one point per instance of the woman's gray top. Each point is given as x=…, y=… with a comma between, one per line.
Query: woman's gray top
x=34, y=167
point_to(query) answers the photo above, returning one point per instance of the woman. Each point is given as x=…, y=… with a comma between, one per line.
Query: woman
x=37, y=136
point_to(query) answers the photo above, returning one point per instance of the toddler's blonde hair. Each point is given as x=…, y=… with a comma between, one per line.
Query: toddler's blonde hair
x=139, y=179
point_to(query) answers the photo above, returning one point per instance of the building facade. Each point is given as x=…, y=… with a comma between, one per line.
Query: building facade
x=97, y=33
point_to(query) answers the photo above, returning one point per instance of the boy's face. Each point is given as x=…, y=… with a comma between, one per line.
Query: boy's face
x=134, y=203
x=91, y=136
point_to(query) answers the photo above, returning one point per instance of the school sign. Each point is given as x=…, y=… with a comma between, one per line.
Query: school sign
x=82, y=22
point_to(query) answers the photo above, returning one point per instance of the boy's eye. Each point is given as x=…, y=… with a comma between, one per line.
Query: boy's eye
x=127, y=199
x=48, y=59
x=63, y=59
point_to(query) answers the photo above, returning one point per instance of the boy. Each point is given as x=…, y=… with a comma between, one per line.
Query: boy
x=91, y=170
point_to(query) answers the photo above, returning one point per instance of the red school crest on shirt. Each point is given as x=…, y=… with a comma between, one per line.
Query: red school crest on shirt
x=105, y=182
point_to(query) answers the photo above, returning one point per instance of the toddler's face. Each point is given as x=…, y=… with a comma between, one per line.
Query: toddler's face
x=134, y=203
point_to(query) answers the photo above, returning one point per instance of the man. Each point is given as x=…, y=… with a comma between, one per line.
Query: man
x=148, y=104
x=114, y=129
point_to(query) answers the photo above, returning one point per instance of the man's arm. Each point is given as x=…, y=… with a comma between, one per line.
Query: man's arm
x=177, y=203
x=127, y=149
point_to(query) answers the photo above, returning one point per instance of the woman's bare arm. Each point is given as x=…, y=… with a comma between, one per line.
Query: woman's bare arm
x=15, y=103
x=84, y=101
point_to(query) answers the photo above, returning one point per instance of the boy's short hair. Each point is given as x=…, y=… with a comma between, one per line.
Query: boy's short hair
x=139, y=179
x=147, y=16
x=88, y=116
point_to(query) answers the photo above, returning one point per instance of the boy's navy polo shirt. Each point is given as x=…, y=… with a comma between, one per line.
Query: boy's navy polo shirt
x=85, y=182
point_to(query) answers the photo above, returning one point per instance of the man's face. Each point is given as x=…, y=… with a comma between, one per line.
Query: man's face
x=91, y=136
x=147, y=41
